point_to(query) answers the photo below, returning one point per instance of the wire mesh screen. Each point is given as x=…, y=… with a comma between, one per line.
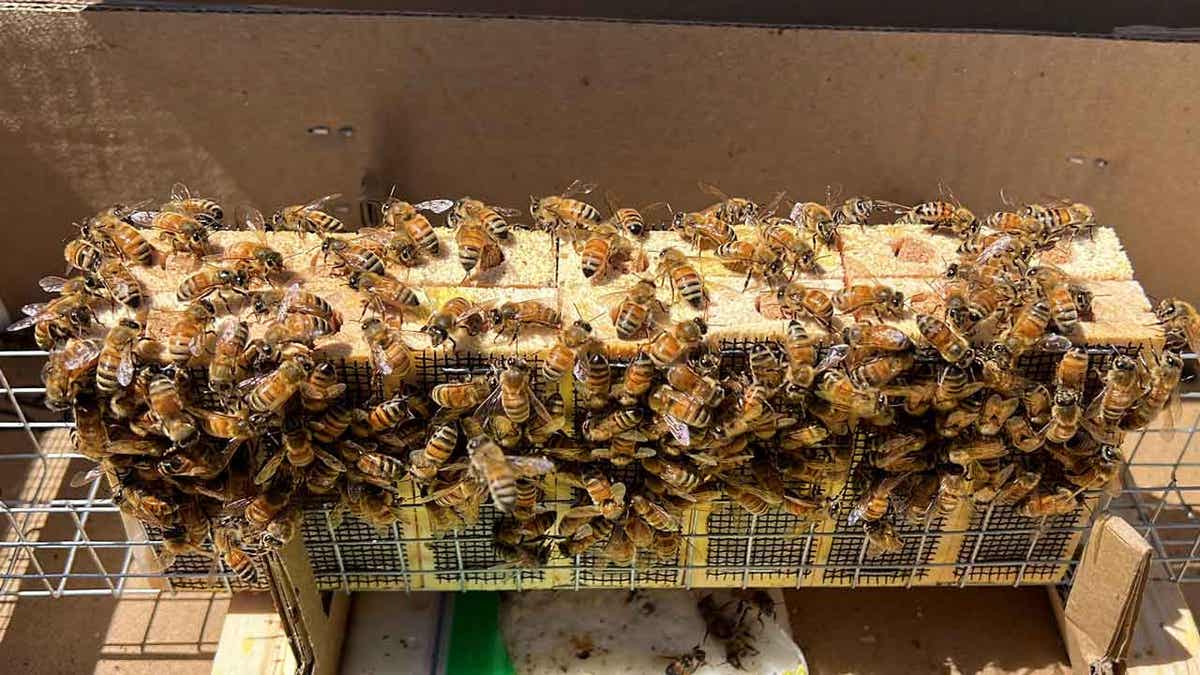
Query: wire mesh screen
x=64, y=539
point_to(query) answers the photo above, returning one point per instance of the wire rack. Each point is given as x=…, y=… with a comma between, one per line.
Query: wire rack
x=60, y=540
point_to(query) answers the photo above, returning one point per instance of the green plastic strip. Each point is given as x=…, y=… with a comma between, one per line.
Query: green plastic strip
x=476, y=646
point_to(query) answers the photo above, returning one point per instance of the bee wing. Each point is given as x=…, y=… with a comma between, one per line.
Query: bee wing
x=678, y=430
x=180, y=192
x=380, y=359
x=1055, y=343
x=531, y=466
x=125, y=367
x=618, y=491
x=538, y=409
x=578, y=187
x=589, y=511
x=506, y=212
x=320, y=202
x=52, y=284
x=329, y=460
x=249, y=217
x=36, y=309
x=489, y=405
x=268, y=470
x=81, y=352
x=142, y=218
x=86, y=477
x=23, y=323
x=289, y=297
x=434, y=205
x=712, y=190
x=833, y=358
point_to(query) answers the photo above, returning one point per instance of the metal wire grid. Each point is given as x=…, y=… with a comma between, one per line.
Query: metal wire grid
x=62, y=541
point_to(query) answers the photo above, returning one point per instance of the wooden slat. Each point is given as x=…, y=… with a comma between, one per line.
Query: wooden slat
x=253, y=640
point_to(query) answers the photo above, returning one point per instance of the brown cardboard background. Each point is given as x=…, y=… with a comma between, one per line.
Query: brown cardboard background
x=101, y=106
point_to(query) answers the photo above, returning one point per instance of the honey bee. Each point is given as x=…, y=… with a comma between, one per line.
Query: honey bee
x=230, y=343
x=996, y=411
x=1056, y=289
x=145, y=504
x=389, y=354
x=561, y=358
x=801, y=354
x=310, y=217
x=511, y=316
x=462, y=396
x=1161, y=389
x=223, y=425
x=702, y=228
x=798, y=438
x=941, y=215
x=608, y=497
x=684, y=279
x=273, y=390
x=953, y=385
x=877, y=298
x=950, y=345
x=90, y=435
x=478, y=249
x=180, y=230
x=295, y=328
x=558, y=212
x=57, y=321
x=898, y=449
x=1065, y=217
x=514, y=394
x=383, y=291
x=754, y=500
x=115, y=366
x=600, y=429
x=211, y=279
x=818, y=221
x=82, y=255
x=951, y=423
x=1037, y=402
x=865, y=337
x=636, y=310
x=167, y=405
x=425, y=462
x=500, y=472
x=873, y=504
x=255, y=254
x=321, y=388
x=456, y=314
x=1071, y=372
x=628, y=219
x=332, y=424
x=1021, y=434
x=120, y=284
x=733, y=210
x=676, y=476
x=1044, y=502
x=797, y=300
x=953, y=491
x=207, y=211
x=1065, y=416
x=185, y=339
x=604, y=248
x=841, y=393
x=881, y=370
x=1116, y=398
x=595, y=380
x=492, y=218
x=681, y=410
x=403, y=217
x=685, y=378
x=882, y=538
x=108, y=231
x=1181, y=322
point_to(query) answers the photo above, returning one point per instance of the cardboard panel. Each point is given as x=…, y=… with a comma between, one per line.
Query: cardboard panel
x=118, y=105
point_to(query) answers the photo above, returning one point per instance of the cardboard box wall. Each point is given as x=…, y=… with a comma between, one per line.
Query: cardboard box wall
x=99, y=106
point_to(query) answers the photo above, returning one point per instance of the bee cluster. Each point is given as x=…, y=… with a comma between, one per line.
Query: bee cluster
x=229, y=424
